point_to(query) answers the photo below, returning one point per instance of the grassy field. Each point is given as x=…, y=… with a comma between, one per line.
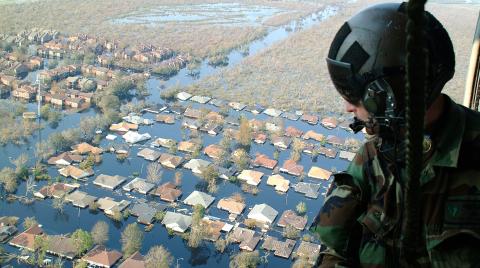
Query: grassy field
x=292, y=74
x=95, y=17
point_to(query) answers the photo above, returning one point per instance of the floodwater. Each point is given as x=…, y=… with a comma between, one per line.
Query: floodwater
x=205, y=256
x=225, y=14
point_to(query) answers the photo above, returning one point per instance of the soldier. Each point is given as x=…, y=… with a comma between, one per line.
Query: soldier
x=361, y=220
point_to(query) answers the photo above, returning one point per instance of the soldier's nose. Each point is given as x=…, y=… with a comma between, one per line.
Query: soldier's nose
x=349, y=107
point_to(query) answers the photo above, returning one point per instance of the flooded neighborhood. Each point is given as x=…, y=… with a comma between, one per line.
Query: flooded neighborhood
x=116, y=153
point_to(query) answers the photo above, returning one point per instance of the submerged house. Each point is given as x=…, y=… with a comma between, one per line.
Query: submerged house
x=146, y=211
x=139, y=185
x=26, y=240
x=281, y=184
x=319, y=173
x=109, y=182
x=100, y=256
x=309, y=189
x=262, y=160
x=176, y=221
x=329, y=122
x=123, y=127
x=75, y=172
x=167, y=192
x=247, y=238
x=61, y=245
x=310, y=119
x=80, y=199
x=272, y=112
x=134, y=137
x=309, y=251
x=199, y=198
x=149, y=154
x=292, y=168
x=196, y=165
x=251, y=177
x=65, y=159
x=85, y=148
x=293, y=132
x=183, y=96
x=56, y=190
x=200, y=99
x=289, y=217
x=170, y=161
x=136, y=260
x=231, y=205
x=263, y=213
x=280, y=248
x=313, y=135
x=214, y=151
x=110, y=206
x=346, y=155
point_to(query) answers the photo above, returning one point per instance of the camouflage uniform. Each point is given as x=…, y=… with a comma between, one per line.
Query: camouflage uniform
x=359, y=220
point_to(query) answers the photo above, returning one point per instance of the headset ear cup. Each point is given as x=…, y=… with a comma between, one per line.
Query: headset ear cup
x=370, y=104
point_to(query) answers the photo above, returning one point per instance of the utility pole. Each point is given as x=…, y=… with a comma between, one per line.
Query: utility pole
x=178, y=265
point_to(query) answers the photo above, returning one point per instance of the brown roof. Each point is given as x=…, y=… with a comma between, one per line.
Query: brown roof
x=313, y=135
x=186, y=146
x=214, y=116
x=165, y=118
x=213, y=229
x=319, y=173
x=256, y=124
x=293, y=132
x=136, y=260
x=289, y=217
x=167, y=192
x=329, y=122
x=332, y=139
x=99, y=255
x=213, y=150
x=192, y=113
x=66, y=156
x=260, y=137
x=310, y=118
x=291, y=167
x=123, y=127
x=84, y=148
x=328, y=152
x=27, y=238
x=280, y=183
x=169, y=160
x=282, y=249
x=263, y=161
x=231, y=205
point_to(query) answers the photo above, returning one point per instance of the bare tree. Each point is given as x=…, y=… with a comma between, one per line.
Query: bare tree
x=154, y=172
x=100, y=233
x=158, y=257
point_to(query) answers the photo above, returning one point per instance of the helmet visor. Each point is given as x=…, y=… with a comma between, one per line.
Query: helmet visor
x=349, y=85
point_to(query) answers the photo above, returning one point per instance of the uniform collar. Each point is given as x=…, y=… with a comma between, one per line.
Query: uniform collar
x=448, y=135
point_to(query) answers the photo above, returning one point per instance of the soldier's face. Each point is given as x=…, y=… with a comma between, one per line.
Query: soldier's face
x=358, y=110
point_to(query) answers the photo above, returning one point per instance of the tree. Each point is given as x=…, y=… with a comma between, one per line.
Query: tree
x=241, y=159
x=58, y=142
x=245, y=132
x=88, y=162
x=81, y=264
x=59, y=204
x=109, y=102
x=301, y=208
x=100, y=233
x=291, y=232
x=40, y=245
x=198, y=231
x=29, y=222
x=82, y=240
x=132, y=238
x=20, y=164
x=154, y=172
x=210, y=175
x=178, y=178
x=238, y=197
x=158, y=257
x=8, y=179
x=221, y=244
x=116, y=215
x=297, y=148
x=245, y=259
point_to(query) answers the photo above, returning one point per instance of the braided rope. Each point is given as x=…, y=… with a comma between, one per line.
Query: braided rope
x=417, y=62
